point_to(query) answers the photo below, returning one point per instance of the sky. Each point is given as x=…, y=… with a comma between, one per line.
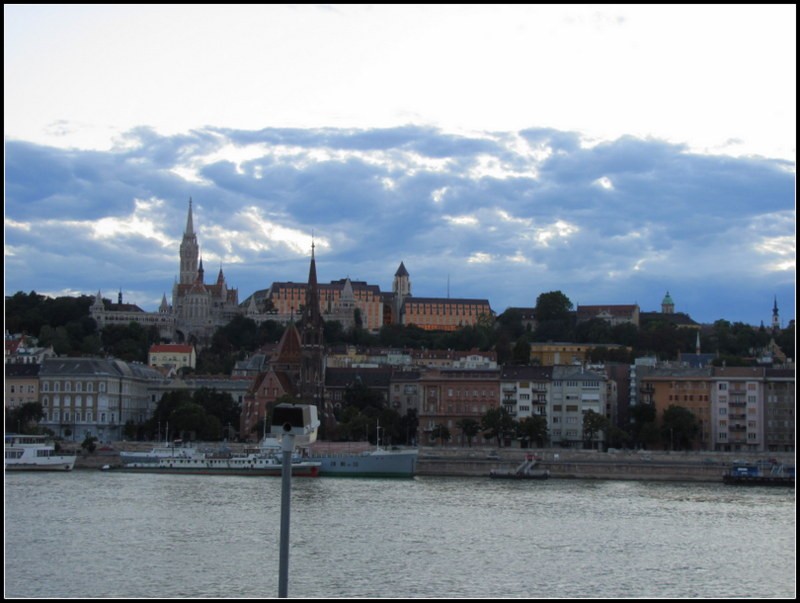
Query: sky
x=611, y=152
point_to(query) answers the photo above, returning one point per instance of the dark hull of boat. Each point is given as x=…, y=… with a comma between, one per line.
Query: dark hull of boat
x=255, y=472
x=510, y=475
x=66, y=466
x=758, y=480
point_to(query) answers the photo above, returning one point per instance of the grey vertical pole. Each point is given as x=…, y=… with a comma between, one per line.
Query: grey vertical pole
x=286, y=490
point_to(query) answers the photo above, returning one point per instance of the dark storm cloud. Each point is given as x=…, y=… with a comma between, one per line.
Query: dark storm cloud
x=505, y=215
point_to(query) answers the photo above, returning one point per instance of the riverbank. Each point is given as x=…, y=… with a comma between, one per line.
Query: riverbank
x=700, y=466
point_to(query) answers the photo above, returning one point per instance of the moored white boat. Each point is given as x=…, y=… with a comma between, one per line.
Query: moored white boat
x=35, y=453
x=200, y=464
x=176, y=449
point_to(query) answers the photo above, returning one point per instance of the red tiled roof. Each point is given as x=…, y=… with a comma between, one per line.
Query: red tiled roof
x=171, y=347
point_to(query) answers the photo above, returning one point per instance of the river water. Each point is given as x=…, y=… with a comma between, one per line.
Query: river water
x=89, y=534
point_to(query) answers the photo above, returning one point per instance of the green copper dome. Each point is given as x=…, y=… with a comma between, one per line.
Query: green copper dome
x=667, y=300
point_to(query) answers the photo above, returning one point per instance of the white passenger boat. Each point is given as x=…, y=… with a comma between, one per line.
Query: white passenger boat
x=201, y=464
x=176, y=449
x=35, y=453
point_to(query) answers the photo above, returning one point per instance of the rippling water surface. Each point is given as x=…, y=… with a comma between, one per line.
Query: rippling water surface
x=95, y=534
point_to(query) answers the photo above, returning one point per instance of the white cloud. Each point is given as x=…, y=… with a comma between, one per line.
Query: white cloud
x=140, y=223
x=605, y=183
x=439, y=194
x=268, y=232
x=479, y=258
x=462, y=220
x=558, y=230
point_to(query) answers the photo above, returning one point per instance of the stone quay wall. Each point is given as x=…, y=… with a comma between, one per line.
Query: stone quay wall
x=701, y=466
x=588, y=464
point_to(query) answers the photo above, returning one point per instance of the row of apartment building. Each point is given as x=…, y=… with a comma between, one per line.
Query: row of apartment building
x=98, y=396
x=743, y=408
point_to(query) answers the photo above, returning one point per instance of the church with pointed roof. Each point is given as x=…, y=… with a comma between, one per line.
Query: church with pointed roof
x=198, y=308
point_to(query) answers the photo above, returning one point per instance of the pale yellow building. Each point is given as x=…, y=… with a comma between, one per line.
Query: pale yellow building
x=172, y=355
x=564, y=353
x=444, y=314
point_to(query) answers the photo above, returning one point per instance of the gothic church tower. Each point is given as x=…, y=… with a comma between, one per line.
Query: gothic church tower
x=401, y=289
x=190, y=252
x=312, y=352
x=776, y=320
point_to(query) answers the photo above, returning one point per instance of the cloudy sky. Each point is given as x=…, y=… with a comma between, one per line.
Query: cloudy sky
x=613, y=153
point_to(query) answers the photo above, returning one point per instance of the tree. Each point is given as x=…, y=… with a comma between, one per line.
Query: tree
x=130, y=430
x=532, y=429
x=593, y=423
x=554, y=320
x=160, y=421
x=440, y=432
x=552, y=306
x=88, y=444
x=510, y=322
x=188, y=419
x=469, y=428
x=496, y=423
x=785, y=339
x=218, y=404
x=643, y=424
x=616, y=437
x=24, y=417
x=408, y=427
x=679, y=427
x=522, y=352
x=595, y=330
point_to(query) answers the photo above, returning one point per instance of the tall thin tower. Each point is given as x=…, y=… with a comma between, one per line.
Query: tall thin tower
x=312, y=349
x=190, y=251
x=776, y=320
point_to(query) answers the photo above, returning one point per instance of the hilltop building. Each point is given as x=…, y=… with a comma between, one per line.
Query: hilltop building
x=198, y=307
x=172, y=355
x=612, y=314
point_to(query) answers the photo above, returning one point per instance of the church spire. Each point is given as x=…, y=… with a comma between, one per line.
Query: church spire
x=189, y=251
x=776, y=321
x=311, y=316
x=189, y=222
x=312, y=368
